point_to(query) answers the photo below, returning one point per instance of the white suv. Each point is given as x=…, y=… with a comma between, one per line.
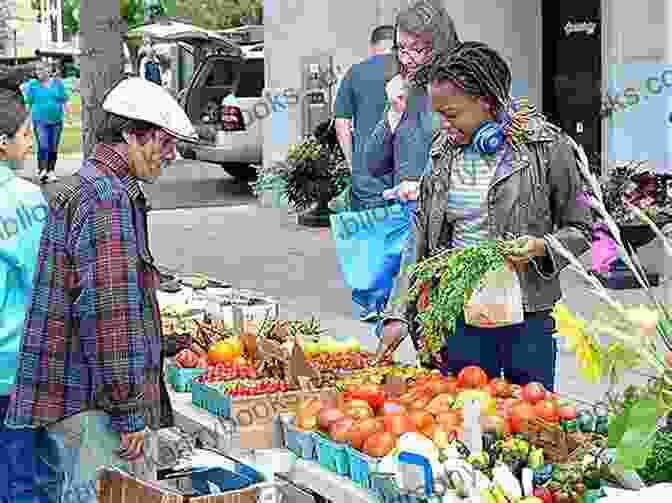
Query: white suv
x=222, y=69
x=228, y=136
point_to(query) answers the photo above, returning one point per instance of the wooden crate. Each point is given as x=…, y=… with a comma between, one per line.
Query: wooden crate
x=256, y=410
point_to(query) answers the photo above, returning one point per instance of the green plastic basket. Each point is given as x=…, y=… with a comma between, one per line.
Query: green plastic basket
x=208, y=398
x=181, y=379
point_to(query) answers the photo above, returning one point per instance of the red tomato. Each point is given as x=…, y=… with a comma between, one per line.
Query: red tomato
x=368, y=393
x=398, y=424
x=552, y=396
x=547, y=410
x=472, y=378
x=567, y=412
x=521, y=412
x=500, y=388
x=423, y=300
x=534, y=392
x=543, y=494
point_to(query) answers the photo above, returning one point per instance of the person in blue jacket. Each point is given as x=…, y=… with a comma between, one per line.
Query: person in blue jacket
x=422, y=30
x=23, y=212
x=47, y=97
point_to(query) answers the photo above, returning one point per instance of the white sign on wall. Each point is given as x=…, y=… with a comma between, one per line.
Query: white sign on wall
x=586, y=27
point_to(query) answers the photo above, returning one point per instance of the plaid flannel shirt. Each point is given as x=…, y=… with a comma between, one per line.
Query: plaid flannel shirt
x=92, y=338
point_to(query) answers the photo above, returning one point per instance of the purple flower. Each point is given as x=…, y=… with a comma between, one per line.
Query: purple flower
x=583, y=200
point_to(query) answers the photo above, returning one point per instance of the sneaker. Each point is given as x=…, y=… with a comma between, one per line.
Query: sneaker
x=51, y=177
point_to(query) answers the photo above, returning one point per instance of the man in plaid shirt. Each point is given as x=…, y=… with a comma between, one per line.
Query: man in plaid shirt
x=90, y=372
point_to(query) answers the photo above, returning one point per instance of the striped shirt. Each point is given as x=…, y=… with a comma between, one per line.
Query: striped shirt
x=467, y=199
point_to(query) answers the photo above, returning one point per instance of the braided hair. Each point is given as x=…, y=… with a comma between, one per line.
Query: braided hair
x=477, y=69
x=428, y=17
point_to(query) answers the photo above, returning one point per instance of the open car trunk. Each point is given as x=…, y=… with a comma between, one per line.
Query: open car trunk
x=217, y=63
x=214, y=79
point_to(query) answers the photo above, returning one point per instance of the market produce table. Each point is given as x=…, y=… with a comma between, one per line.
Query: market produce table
x=217, y=434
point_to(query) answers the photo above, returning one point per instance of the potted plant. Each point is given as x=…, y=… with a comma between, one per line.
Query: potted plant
x=632, y=184
x=315, y=173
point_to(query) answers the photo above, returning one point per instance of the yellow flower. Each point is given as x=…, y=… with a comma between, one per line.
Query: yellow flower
x=567, y=325
x=588, y=357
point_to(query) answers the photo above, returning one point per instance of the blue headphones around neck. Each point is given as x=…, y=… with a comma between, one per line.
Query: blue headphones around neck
x=488, y=138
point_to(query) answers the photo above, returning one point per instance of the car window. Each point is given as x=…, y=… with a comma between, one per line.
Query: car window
x=221, y=75
x=251, y=83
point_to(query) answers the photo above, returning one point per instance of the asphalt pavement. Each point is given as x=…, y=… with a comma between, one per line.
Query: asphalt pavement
x=219, y=229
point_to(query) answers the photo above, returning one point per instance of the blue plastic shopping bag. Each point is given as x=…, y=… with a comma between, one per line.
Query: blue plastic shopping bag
x=369, y=245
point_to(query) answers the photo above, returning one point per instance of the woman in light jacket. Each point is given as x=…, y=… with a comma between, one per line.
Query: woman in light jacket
x=23, y=212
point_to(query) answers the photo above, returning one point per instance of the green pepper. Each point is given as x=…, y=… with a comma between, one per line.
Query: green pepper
x=536, y=459
x=585, y=422
x=569, y=426
x=602, y=425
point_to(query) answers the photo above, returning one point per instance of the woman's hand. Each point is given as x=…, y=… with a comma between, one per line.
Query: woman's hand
x=394, y=332
x=523, y=250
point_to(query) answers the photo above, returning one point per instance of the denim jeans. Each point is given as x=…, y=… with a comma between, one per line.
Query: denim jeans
x=48, y=139
x=523, y=353
x=73, y=451
x=20, y=470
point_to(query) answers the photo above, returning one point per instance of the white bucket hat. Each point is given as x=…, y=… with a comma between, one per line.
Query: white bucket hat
x=136, y=98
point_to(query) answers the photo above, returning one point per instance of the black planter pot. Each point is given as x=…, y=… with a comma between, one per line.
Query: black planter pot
x=636, y=235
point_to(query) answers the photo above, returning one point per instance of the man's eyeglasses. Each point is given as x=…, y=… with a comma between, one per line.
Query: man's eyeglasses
x=413, y=52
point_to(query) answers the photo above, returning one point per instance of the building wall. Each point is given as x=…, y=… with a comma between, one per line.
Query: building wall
x=298, y=28
x=28, y=34
x=638, y=45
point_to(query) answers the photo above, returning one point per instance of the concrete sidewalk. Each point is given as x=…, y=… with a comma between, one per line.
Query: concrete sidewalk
x=265, y=250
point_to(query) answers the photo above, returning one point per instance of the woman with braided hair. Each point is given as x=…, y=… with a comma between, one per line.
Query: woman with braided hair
x=498, y=170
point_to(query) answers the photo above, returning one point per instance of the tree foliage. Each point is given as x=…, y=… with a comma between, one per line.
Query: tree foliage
x=221, y=14
x=132, y=11
x=209, y=14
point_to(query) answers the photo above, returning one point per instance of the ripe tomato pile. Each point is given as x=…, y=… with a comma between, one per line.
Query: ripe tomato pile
x=351, y=360
x=222, y=372
x=249, y=387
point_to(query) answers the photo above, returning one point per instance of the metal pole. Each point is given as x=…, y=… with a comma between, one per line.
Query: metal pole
x=16, y=55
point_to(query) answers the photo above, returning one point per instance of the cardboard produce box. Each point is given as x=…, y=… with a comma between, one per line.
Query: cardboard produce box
x=115, y=486
x=257, y=410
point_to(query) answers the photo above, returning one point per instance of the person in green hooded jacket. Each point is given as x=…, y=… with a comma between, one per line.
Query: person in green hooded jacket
x=23, y=212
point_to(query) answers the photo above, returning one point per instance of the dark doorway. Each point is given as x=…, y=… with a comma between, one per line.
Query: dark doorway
x=572, y=71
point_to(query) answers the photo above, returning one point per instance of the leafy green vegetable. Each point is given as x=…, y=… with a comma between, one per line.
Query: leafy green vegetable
x=453, y=275
x=636, y=443
x=658, y=467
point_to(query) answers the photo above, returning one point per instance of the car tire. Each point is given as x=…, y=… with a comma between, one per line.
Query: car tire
x=243, y=172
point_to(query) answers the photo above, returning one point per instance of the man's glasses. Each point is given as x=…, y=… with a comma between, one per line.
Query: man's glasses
x=413, y=52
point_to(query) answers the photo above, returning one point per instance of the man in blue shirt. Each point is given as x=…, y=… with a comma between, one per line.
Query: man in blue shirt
x=360, y=103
